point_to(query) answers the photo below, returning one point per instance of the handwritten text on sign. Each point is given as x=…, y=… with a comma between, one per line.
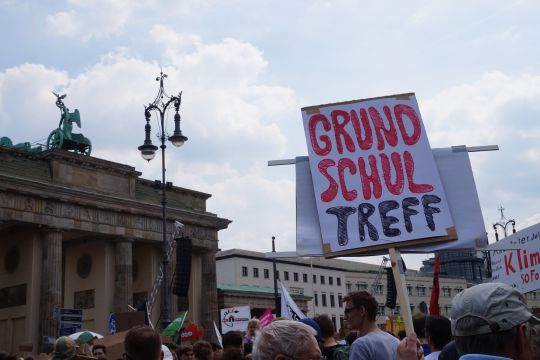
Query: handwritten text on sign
x=520, y=266
x=373, y=172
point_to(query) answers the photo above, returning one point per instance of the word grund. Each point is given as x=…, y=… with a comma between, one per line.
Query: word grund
x=367, y=211
x=364, y=130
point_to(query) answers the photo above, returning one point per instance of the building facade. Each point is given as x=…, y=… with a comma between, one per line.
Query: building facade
x=325, y=282
x=79, y=232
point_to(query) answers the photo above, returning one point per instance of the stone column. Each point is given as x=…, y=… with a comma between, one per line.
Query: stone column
x=123, y=274
x=209, y=294
x=51, y=284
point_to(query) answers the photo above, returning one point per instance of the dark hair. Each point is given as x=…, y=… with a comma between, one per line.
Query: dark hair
x=7, y=356
x=439, y=330
x=184, y=349
x=232, y=354
x=202, y=350
x=401, y=334
x=419, y=325
x=326, y=325
x=99, y=346
x=353, y=335
x=142, y=343
x=363, y=299
x=232, y=339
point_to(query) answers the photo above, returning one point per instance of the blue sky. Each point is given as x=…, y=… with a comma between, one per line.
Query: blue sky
x=247, y=67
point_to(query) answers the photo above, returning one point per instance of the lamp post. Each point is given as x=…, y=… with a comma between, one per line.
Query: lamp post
x=148, y=151
x=276, y=301
x=503, y=224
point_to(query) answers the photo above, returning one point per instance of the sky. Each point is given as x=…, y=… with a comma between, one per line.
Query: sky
x=246, y=68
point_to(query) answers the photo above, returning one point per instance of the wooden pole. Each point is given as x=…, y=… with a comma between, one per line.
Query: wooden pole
x=401, y=287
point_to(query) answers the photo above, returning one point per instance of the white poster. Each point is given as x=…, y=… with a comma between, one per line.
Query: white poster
x=517, y=260
x=375, y=180
x=235, y=318
x=458, y=182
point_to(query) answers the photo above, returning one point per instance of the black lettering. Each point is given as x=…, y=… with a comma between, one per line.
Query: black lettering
x=387, y=221
x=408, y=212
x=429, y=210
x=342, y=213
x=365, y=210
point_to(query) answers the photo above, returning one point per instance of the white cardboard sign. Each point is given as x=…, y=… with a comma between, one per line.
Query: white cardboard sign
x=374, y=177
x=519, y=266
x=235, y=318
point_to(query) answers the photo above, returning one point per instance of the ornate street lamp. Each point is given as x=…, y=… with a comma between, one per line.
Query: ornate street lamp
x=503, y=224
x=148, y=151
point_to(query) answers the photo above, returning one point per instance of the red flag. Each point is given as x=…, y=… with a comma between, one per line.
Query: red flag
x=434, y=300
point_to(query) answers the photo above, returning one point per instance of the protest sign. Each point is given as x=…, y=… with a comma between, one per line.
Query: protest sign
x=235, y=318
x=515, y=260
x=266, y=318
x=375, y=181
x=458, y=182
x=289, y=309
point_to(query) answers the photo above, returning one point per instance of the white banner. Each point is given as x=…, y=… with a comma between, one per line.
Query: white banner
x=517, y=260
x=375, y=180
x=289, y=309
x=458, y=182
x=235, y=318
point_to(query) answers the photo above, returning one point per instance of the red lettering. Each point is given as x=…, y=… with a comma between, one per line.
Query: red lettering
x=409, y=169
x=399, y=111
x=397, y=187
x=372, y=179
x=390, y=133
x=327, y=144
x=342, y=165
x=330, y=193
x=519, y=259
x=340, y=132
x=366, y=142
x=508, y=264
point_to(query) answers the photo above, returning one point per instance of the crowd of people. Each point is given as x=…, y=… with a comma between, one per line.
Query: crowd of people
x=488, y=321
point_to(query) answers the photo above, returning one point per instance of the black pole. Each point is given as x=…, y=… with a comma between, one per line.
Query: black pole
x=276, y=299
x=165, y=320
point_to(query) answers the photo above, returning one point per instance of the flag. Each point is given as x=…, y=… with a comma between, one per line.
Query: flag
x=112, y=323
x=266, y=318
x=434, y=300
x=289, y=309
x=174, y=328
x=218, y=335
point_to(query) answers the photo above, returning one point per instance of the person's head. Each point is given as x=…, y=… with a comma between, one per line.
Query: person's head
x=313, y=324
x=326, y=325
x=253, y=326
x=286, y=339
x=232, y=339
x=535, y=333
x=185, y=352
x=492, y=319
x=65, y=348
x=232, y=354
x=142, y=343
x=401, y=334
x=99, y=351
x=438, y=332
x=203, y=350
x=360, y=310
x=419, y=325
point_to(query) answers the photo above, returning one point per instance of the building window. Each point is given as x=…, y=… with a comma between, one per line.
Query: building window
x=395, y=311
x=446, y=292
x=255, y=272
x=458, y=290
x=341, y=322
x=378, y=290
x=286, y=275
x=295, y=276
x=409, y=290
x=330, y=280
x=340, y=300
x=338, y=280
x=348, y=286
x=316, y=297
x=380, y=309
x=323, y=298
x=332, y=301
x=361, y=286
x=304, y=278
x=334, y=321
x=322, y=279
x=412, y=308
x=244, y=271
x=314, y=279
x=277, y=274
x=266, y=273
x=421, y=290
